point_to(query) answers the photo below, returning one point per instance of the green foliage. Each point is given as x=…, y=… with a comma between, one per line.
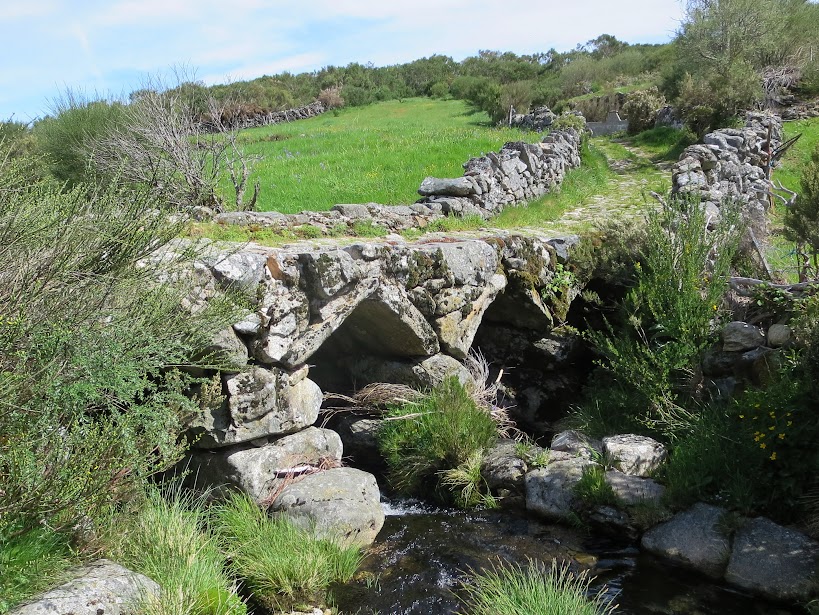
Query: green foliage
x=641, y=109
x=282, y=565
x=30, y=563
x=668, y=319
x=712, y=101
x=442, y=431
x=64, y=137
x=90, y=410
x=802, y=220
x=167, y=539
x=593, y=490
x=510, y=589
x=569, y=120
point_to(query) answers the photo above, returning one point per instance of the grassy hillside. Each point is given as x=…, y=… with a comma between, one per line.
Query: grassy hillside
x=379, y=153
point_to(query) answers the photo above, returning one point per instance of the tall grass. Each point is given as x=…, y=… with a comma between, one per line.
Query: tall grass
x=377, y=153
x=30, y=563
x=281, y=564
x=442, y=431
x=509, y=589
x=168, y=540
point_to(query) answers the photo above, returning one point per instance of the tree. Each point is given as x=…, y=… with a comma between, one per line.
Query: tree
x=164, y=143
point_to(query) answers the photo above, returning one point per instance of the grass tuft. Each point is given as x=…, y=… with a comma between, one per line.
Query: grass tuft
x=510, y=589
x=168, y=540
x=282, y=565
x=442, y=431
x=30, y=563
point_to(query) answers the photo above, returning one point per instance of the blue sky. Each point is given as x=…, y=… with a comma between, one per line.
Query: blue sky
x=111, y=46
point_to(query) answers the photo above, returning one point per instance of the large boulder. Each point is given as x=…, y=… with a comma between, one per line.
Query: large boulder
x=457, y=329
x=260, y=403
x=550, y=490
x=259, y=470
x=102, y=587
x=774, y=561
x=576, y=443
x=635, y=455
x=693, y=538
x=503, y=469
x=342, y=504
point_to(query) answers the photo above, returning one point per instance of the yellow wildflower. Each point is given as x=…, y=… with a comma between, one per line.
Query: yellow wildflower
x=781, y=436
x=763, y=446
x=773, y=456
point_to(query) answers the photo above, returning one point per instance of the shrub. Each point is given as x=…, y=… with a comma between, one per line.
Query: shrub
x=331, y=97
x=440, y=89
x=668, y=319
x=168, y=540
x=509, y=589
x=64, y=137
x=569, y=120
x=85, y=337
x=442, y=431
x=641, y=108
x=282, y=565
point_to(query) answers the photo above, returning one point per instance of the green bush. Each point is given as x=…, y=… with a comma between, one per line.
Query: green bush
x=442, y=431
x=509, y=589
x=64, y=138
x=282, y=565
x=569, y=120
x=668, y=318
x=167, y=539
x=91, y=411
x=641, y=109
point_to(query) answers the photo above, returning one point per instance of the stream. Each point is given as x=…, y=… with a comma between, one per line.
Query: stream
x=415, y=565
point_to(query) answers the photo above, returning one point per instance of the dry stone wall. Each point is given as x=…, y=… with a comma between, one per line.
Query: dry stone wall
x=258, y=117
x=730, y=164
x=518, y=172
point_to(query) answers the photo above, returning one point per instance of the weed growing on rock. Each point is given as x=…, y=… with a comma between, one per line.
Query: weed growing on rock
x=593, y=489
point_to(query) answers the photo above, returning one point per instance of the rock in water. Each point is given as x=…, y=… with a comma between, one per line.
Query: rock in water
x=342, y=503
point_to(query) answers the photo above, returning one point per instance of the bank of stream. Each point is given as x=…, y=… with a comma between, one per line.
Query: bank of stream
x=423, y=552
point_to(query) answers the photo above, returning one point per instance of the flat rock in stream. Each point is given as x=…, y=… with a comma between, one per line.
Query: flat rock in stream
x=774, y=561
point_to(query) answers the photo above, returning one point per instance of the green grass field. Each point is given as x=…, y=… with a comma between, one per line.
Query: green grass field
x=379, y=153
x=780, y=251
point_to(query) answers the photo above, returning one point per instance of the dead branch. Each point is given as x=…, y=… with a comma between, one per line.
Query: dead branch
x=744, y=286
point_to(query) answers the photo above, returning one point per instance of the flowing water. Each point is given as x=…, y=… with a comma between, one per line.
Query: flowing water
x=422, y=552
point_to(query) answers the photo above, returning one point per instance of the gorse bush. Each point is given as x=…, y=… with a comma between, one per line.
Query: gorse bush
x=443, y=431
x=668, y=318
x=641, y=109
x=282, y=565
x=90, y=408
x=509, y=589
